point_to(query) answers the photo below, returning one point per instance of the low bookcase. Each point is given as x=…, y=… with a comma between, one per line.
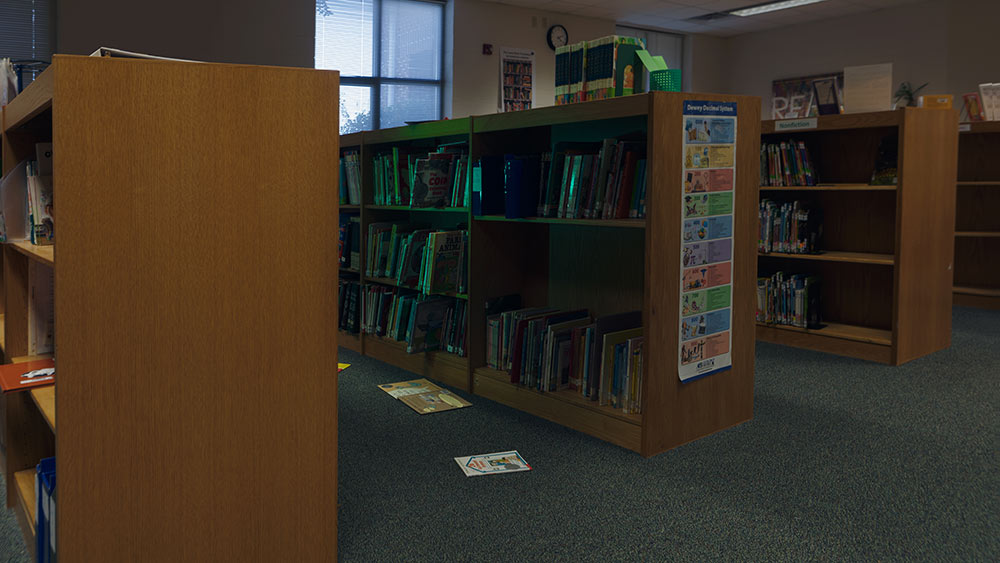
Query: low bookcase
x=886, y=253
x=977, y=216
x=606, y=266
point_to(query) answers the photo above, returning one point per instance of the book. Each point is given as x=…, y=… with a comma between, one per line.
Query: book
x=610, y=375
x=521, y=184
x=492, y=464
x=444, y=268
x=431, y=180
x=973, y=106
x=488, y=196
x=613, y=68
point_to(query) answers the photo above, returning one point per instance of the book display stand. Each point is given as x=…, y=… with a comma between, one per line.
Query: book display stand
x=196, y=384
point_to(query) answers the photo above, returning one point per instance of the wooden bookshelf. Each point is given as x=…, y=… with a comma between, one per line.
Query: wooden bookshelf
x=26, y=506
x=977, y=216
x=886, y=274
x=417, y=209
x=146, y=400
x=551, y=261
x=829, y=188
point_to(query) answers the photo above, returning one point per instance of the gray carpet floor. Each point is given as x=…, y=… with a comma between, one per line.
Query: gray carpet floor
x=844, y=460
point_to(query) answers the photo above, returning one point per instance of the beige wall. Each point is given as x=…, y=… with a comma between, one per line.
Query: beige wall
x=476, y=76
x=912, y=37
x=262, y=32
x=706, y=64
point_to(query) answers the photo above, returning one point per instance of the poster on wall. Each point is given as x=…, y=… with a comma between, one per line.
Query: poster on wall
x=708, y=181
x=517, y=75
x=795, y=98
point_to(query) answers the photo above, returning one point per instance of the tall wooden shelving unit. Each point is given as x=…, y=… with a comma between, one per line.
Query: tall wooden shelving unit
x=977, y=216
x=196, y=386
x=607, y=266
x=887, y=254
x=349, y=340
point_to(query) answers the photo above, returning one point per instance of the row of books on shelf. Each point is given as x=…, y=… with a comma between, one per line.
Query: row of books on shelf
x=548, y=349
x=26, y=204
x=605, y=67
x=429, y=260
x=415, y=177
x=349, y=306
x=349, y=241
x=423, y=322
x=791, y=227
x=789, y=299
x=786, y=164
x=350, y=178
x=577, y=180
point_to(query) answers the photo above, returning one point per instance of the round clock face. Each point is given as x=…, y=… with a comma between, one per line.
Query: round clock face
x=557, y=36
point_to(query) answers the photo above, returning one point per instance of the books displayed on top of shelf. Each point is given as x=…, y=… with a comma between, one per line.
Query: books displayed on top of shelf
x=789, y=300
x=349, y=241
x=350, y=178
x=973, y=107
x=423, y=322
x=429, y=260
x=612, y=67
x=421, y=179
x=349, y=306
x=989, y=95
x=791, y=227
x=577, y=180
x=786, y=164
x=547, y=349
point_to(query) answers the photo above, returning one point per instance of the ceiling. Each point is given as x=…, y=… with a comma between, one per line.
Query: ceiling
x=673, y=15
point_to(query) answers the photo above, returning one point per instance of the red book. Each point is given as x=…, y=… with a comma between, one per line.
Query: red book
x=11, y=375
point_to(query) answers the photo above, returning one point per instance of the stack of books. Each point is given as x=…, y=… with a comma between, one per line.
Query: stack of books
x=431, y=261
x=983, y=105
x=606, y=67
x=793, y=228
x=421, y=179
x=786, y=164
x=551, y=350
x=27, y=208
x=423, y=322
x=350, y=178
x=789, y=300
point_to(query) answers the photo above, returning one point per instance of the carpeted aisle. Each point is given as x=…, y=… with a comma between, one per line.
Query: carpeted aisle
x=843, y=460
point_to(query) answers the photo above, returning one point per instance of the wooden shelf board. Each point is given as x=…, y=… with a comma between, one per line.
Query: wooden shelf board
x=571, y=397
x=351, y=270
x=846, y=332
x=829, y=187
x=393, y=283
x=417, y=209
x=32, y=358
x=35, y=99
x=45, y=398
x=44, y=254
x=632, y=223
x=979, y=127
x=450, y=369
x=348, y=207
x=27, y=502
x=982, y=291
x=828, y=340
x=977, y=184
x=838, y=256
x=977, y=234
x=890, y=118
x=612, y=108
x=349, y=340
x=351, y=139
x=418, y=131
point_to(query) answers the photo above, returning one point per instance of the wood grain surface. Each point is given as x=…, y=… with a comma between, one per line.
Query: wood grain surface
x=197, y=311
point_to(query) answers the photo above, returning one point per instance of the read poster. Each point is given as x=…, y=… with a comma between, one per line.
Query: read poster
x=707, y=202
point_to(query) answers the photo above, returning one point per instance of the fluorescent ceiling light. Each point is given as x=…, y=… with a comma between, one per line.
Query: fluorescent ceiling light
x=771, y=7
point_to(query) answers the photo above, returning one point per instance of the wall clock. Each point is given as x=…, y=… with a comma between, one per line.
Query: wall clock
x=557, y=36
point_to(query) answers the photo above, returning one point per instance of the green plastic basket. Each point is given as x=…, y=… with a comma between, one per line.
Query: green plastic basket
x=665, y=80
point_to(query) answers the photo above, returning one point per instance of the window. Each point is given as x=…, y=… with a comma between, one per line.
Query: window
x=390, y=57
x=24, y=35
x=668, y=45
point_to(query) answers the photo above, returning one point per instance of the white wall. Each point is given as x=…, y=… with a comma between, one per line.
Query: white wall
x=912, y=37
x=476, y=76
x=706, y=64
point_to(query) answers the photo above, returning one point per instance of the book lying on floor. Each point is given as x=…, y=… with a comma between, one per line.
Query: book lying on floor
x=424, y=397
x=490, y=464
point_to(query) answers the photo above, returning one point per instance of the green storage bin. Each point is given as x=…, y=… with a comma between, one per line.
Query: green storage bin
x=668, y=80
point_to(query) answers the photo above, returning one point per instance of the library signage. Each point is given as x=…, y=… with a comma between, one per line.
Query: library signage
x=795, y=124
x=707, y=201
